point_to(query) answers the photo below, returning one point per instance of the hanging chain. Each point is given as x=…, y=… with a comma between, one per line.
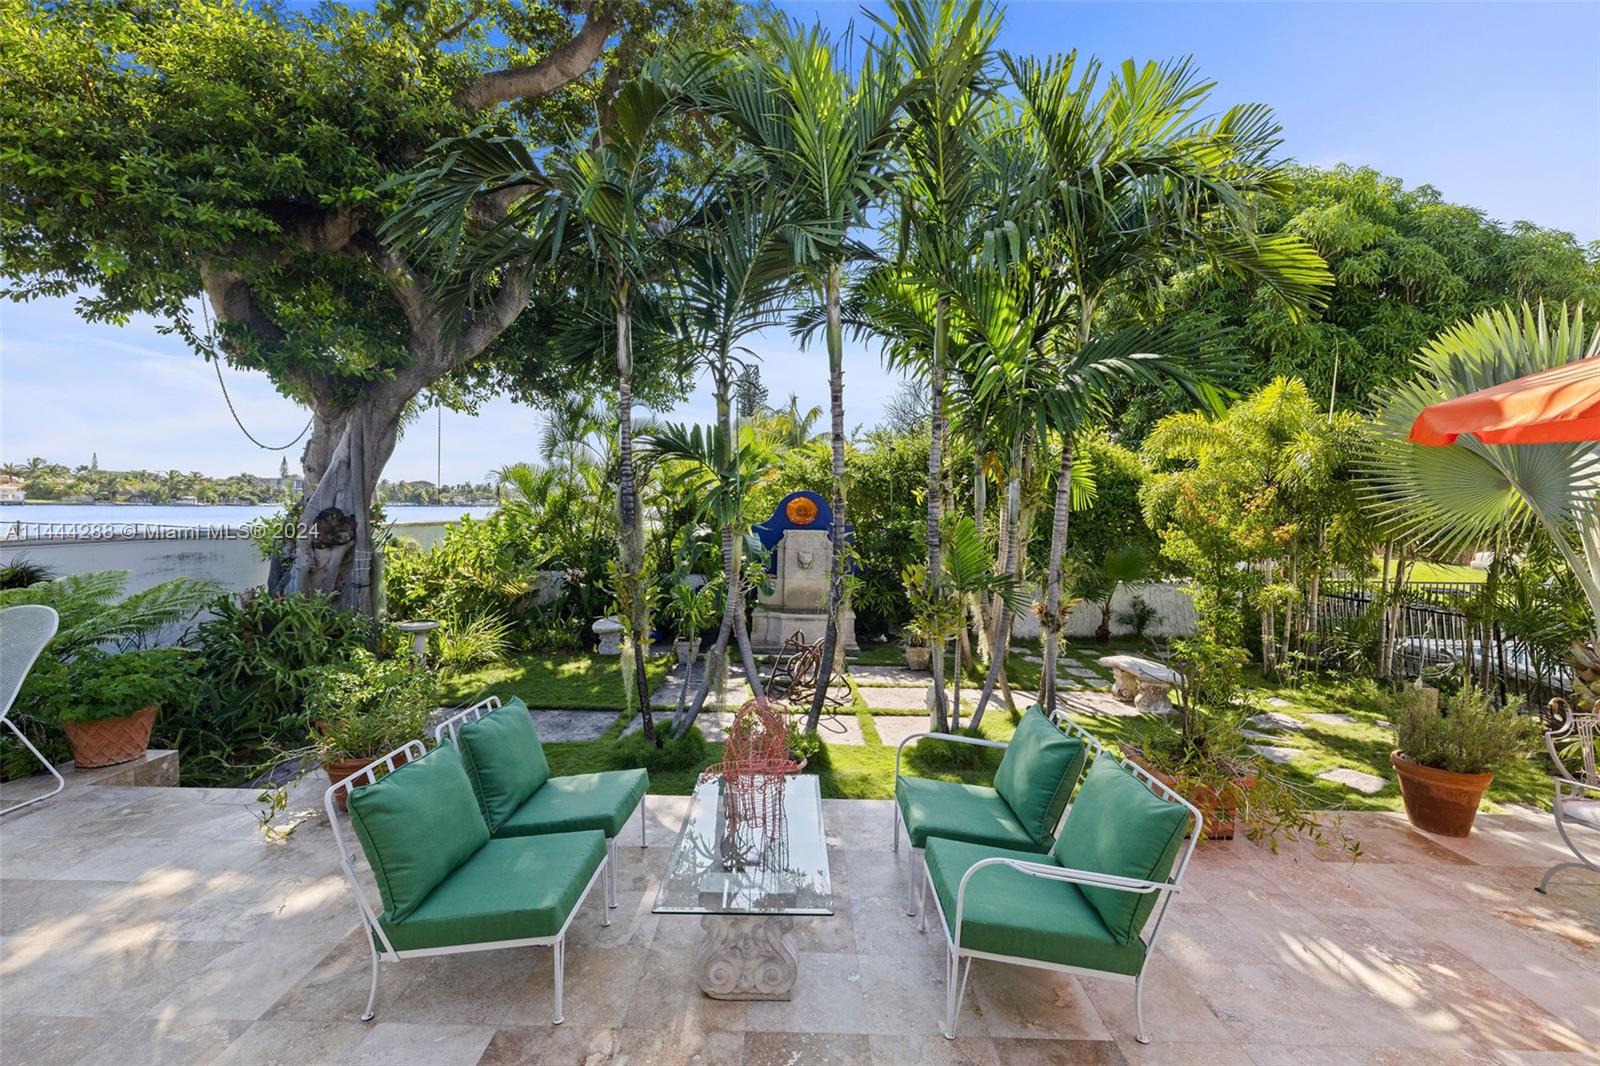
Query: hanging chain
x=216, y=362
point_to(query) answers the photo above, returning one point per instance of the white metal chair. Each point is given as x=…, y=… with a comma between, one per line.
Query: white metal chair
x=1577, y=798
x=378, y=939
x=25, y=630
x=952, y=920
x=916, y=867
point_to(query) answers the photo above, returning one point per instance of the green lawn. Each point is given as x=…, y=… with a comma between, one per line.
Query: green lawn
x=1363, y=746
x=586, y=681
x=554, y=680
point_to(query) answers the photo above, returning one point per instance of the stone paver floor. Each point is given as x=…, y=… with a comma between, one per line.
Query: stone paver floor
x=154, y=925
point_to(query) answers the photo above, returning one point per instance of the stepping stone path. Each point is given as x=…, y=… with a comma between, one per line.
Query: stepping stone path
x=892, y=729
x=1276, y=720
x=890, y=677
x=1100, y=703
x=1277, y=701
x=1366, y=784
x=1334, y=719
x=1084, y=672
x=843, y=728
x=1275, y=754
x=561, y=726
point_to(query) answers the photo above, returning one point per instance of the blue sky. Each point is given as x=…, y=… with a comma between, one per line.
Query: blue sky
x=1497, y=105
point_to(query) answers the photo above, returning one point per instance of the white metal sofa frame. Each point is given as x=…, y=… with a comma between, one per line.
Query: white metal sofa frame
x=915, y=861
x=956, y=974
x=375, y=934
x=25, y=631
x=1582, y=729
x=450, y=725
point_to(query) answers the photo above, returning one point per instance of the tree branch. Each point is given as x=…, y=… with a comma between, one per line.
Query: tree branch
x=555, y=71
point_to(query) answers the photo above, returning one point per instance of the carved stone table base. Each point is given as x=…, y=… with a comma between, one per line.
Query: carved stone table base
x=747, y=956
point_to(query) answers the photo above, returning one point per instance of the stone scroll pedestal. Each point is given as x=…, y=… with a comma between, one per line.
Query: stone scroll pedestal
x=747, y=956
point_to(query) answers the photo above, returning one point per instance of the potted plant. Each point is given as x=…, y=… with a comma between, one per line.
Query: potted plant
x=1203, y=755
x=365, y=708
x=106, y=704
x=1447, y=754
x=914, y=643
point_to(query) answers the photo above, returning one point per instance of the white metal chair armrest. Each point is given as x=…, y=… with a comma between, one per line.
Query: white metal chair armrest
x=462, y=717
x=1057, y=873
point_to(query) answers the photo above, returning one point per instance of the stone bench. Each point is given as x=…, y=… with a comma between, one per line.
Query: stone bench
x=1141, y=682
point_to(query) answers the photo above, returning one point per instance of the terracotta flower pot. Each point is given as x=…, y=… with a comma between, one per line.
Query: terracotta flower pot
x=1439, y=801
x=110, y=741
x=1219, y=812
x=339, y=769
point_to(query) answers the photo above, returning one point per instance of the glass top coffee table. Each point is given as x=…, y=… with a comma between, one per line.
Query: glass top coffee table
x=749, y=860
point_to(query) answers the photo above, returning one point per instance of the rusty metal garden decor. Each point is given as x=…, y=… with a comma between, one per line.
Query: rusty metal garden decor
x=753, y=772
x=798, y=669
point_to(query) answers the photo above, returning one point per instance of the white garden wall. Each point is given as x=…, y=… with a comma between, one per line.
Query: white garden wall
x=1174, y=615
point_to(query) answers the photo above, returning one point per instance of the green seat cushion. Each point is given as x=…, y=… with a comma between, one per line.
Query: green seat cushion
x=600, y=801
x=1118, y=826
x=514, y=889
x=504, y=759
x=1037, y=774
x=959, y=811
x=1007, y=912
x=416, y=826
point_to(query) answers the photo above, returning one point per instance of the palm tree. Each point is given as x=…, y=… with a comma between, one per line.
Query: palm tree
x=602, y=202
x=1125, y=181
x=791, y=426
x=946, y=50
x=716, y=468
x=827, y=139
x=1469, y=493
x=732, y=278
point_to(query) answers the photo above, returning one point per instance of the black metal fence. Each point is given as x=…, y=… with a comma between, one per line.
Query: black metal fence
x=1428, y=633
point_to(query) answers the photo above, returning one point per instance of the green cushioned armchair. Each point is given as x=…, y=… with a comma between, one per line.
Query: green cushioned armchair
x=1083, y=907
x=517, y=795
x=1042, y=763
x=446, y=887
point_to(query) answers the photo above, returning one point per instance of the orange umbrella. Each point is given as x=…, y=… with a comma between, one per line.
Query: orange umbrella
x=1555, y=406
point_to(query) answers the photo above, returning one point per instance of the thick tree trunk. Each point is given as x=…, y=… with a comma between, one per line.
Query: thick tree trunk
x=1051, y=622
x=631, y=553
x=1385, y=643
x=833, y=282
x=331, y=551
x=936, y=433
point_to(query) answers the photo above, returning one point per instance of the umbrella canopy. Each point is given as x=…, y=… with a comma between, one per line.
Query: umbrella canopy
x=1555, y=406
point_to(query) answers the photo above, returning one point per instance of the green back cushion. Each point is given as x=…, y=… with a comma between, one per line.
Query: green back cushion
x=504, y=759
x=1038, y=772
x=417, y=826
x=1118, y=826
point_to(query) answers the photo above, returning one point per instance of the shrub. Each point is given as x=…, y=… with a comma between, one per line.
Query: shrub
x=368, y=706
x=684, y=753
x=928, y=756
x=1469, y=736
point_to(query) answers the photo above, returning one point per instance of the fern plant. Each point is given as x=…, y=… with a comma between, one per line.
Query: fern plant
x=96, y=610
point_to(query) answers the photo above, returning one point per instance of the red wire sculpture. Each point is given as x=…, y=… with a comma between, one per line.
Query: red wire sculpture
x=754, y=769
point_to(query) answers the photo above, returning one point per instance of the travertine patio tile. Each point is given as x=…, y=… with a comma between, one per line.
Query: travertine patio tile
x=1016, y=1001
x=892, y=729
x=48, y=1040
x=389, y=1043
x=240, y=984
x=828, y=998
x=1035, y=1052
x=1426, y=950
x=294, y=1043
x=812, y=1049
x=925, y=1050
x=165, y=1042
x=842, y=728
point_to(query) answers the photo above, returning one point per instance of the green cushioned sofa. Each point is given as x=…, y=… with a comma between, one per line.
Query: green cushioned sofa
x=517, y=795
x=1042, y=762
x=445, y=884
x=1083, y=906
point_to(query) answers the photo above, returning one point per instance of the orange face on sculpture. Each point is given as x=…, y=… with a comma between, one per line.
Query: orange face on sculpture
x=801, y=510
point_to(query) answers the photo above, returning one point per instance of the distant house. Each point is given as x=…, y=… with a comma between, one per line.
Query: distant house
x=11, y=490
